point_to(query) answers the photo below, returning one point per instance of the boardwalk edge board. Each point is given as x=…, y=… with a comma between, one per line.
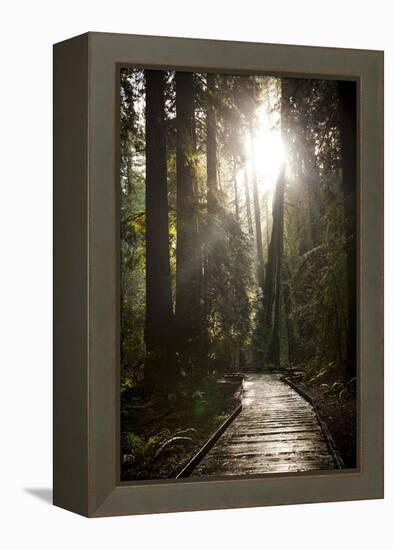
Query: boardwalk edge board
x=197, y=458
x=326, y=432
x=193, y=463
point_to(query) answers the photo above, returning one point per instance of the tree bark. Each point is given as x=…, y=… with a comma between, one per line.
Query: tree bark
x=288, y=313
x=188, y=250
x=210, y=263
x=248, y=202
x=257, y=215
x=160, y=364
x=272, y=294
x=308, y=172
x=267, y=240
x=347, y=111
x=273, y=276
x=211, y=146
x=236, y=190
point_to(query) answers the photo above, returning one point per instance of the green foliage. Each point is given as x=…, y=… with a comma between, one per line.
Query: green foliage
x=318, y=287
x=229, y=287
x=132, y=226
x=340, y=390
x=144, y=455
x=315, y=232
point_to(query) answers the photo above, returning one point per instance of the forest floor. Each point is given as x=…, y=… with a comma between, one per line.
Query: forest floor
x=159, y=438
x=335, y=398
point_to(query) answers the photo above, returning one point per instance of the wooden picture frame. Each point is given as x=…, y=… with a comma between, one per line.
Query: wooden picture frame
x=86, y=288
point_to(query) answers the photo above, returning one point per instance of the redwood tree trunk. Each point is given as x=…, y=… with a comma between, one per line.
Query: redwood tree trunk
x=248, y=202
x=274, y=275
x=257, y=214
x=188, y=250
x=267, y=240
x=272, y=295
x=160, y=366
x=211, y=146
x=286, y=291
x=234, y=175
x=347, y=110
x=210, y=261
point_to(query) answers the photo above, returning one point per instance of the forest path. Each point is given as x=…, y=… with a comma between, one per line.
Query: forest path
x=276, y=431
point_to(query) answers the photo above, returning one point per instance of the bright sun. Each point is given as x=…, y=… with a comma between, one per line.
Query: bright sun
x=268, y=152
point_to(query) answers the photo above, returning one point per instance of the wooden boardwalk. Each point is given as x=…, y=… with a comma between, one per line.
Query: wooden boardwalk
x=277, y=431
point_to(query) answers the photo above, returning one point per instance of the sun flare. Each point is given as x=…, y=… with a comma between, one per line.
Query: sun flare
x=269, y=155
x=266, y=151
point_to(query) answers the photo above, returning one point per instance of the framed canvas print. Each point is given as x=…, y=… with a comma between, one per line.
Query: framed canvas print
x=218, y=261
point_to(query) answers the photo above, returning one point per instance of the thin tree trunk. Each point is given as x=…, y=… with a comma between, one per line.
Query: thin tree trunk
x=159, y=313
x=129, y=169
x=205, y=310
x=188, y=251
x=311, y=210
x=248, y=202
x=236, y=190
x=267, y=220
x=219, y=184
x=288, y=314
x=347, y=110
x=309, y=176
x=211, y=146
x=268, y=295
x=257, y=215
x=212, y=205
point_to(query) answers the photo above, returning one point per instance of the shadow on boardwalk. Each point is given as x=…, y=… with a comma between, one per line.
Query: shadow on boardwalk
x=277, y=431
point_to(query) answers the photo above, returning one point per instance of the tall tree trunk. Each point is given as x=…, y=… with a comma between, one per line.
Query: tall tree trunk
x=309, y=175
x=267, y=240
x=273, y=276
x=188, y=250
x=311, y=210
x=212, y=205
x=272, y=295
x=235, y=189
x=160, y=364
x=248, y=202
x=347, y=111
x=211, y=146
x=288, y=313
x=257, y=215
x=129, y=168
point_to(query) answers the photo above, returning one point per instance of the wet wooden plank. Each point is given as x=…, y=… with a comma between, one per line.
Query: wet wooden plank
x=277, y=431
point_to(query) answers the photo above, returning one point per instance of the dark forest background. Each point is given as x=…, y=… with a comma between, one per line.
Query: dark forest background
x=225, y=266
